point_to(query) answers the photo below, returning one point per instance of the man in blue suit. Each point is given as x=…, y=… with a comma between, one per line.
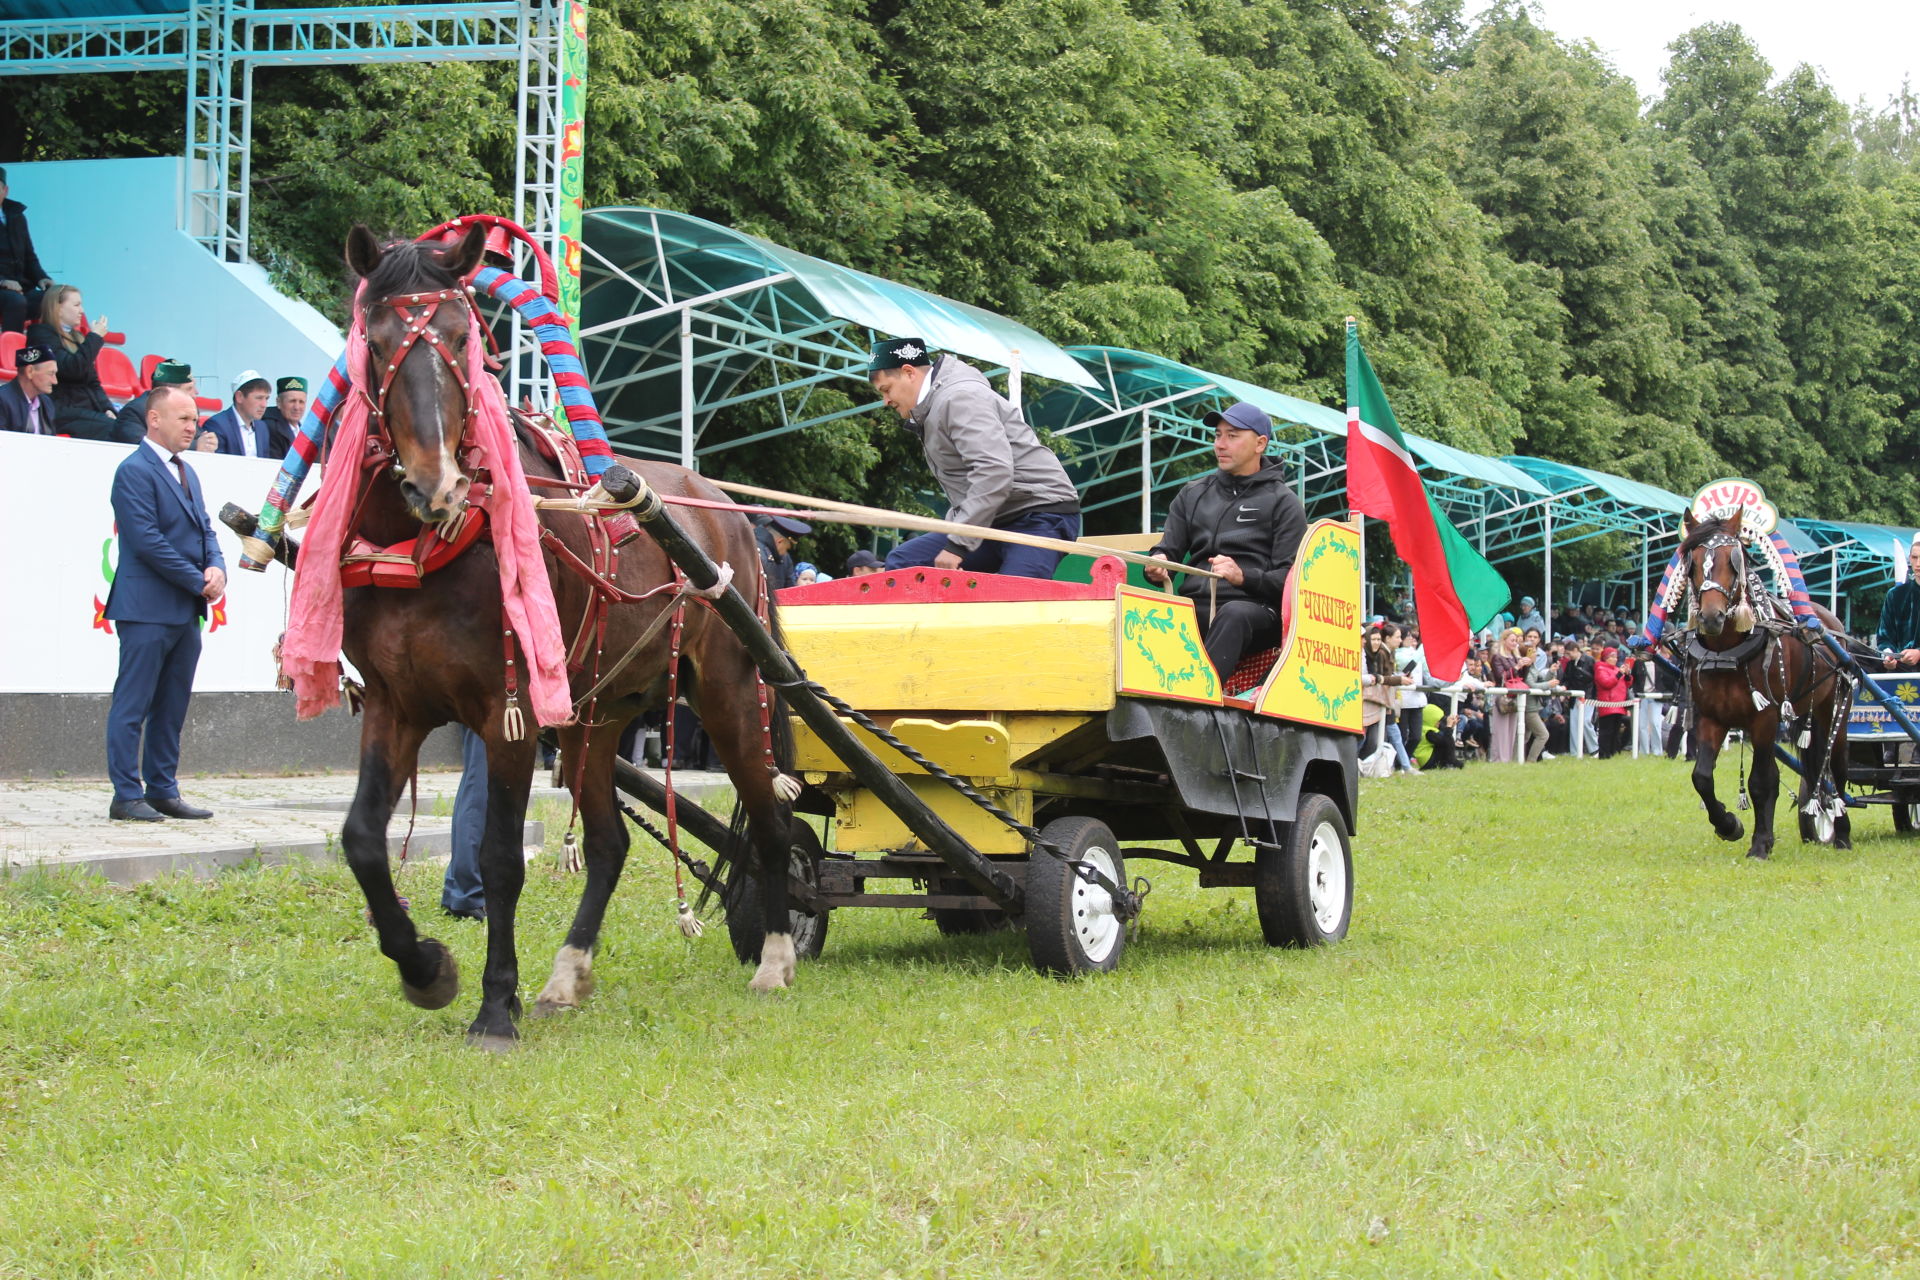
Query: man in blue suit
x=242, y=427
x=170, y=567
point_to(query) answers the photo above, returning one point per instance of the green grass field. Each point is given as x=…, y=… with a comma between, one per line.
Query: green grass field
x=1571, y=1034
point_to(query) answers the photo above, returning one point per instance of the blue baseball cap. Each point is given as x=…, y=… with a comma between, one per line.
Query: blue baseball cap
x=1243, y=416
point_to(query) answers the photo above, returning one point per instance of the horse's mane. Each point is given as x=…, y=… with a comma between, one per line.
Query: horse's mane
x=1701, y=532
x=408, y=267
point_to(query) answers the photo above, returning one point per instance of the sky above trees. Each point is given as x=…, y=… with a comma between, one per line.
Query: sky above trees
x=1863, y=49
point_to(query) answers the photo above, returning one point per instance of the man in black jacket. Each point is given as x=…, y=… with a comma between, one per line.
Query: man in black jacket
x=1243, y=522
x=22, y=278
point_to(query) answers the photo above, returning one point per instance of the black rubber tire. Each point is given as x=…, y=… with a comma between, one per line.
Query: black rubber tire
x=1058, y=916
x=1284, y=878
x=964, y=921
x=1906, y=816
x=744, y=925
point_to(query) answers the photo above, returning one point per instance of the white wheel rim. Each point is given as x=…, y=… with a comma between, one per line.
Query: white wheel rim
x=1095, y=926
x=1913, y=816
x=1327, y=878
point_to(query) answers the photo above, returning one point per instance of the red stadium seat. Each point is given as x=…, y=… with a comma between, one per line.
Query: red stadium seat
x=209, y=406
x=117, y=376
x=9, y=343
x=147, y=365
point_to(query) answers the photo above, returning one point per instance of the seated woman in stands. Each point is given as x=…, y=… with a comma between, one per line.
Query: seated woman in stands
x=85, y=412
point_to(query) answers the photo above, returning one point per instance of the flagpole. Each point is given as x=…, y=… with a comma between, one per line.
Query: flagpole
x=1359, y=521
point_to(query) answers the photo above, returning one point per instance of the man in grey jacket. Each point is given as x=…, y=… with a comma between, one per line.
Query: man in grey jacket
x=993, y=469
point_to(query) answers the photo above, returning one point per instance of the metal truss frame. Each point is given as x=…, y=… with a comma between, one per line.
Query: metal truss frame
x=219, y=43
x=725, y=344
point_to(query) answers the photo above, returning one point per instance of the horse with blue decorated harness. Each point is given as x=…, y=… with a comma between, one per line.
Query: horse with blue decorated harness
x=1766, y=660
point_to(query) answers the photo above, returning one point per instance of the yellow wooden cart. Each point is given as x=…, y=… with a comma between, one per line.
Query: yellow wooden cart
x=1042, y=723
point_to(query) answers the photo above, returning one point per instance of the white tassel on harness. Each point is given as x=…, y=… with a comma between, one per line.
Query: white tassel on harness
x=513, y=725
x=787, y=787
x=690, y=926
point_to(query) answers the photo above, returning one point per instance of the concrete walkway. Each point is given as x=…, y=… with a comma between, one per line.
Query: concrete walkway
x=275, y=820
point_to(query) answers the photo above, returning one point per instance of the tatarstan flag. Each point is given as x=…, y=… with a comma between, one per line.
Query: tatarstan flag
x=1455, y=590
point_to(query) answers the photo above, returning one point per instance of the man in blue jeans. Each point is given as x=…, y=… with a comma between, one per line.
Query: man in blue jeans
x=993, y=469
x=461, y=893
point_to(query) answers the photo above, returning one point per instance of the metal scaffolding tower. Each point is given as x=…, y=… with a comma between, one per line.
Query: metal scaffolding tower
x=219, y=43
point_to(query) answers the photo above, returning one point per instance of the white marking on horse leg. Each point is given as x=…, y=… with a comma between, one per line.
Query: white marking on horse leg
x=572, y=981
x=776, y=964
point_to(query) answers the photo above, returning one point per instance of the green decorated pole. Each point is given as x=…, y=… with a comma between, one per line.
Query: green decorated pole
x=573, y=124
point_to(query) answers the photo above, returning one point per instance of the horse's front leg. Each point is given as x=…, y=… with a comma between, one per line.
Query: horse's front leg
x=389, y=750
x=1707, y=751
x=503, y=871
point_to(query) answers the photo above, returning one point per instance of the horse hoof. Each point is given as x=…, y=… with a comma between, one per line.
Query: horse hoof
x=491, y=1042
x=777, y=960
x=545, y=1008
x=439, y=993
x=1760, y=852
x=1730, y=830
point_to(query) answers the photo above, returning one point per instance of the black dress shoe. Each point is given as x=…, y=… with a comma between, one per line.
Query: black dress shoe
x=134, y=811
x=175, y=807
x=464, y=915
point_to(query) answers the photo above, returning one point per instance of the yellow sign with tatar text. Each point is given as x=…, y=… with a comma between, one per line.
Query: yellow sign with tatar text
x=1317, y=679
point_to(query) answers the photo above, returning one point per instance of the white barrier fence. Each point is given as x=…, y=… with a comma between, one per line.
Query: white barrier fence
x=1644, y=705
x=56, y=524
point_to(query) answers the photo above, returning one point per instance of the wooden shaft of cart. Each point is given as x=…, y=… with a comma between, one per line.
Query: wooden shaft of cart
x=778, y=668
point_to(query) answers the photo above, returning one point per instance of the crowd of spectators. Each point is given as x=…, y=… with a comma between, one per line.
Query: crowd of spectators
x=55, y=384
x=1524, y=692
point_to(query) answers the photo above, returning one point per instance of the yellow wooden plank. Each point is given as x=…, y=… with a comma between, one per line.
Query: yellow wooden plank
x=968, y=748
x=1030, y=733
x=868, y=826
x=1042, y=655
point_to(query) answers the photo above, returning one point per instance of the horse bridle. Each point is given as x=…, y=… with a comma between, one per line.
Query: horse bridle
x=418, y=326
x=1738, y=591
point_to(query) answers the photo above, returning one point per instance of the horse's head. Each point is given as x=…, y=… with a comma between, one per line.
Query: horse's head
x=417, y=321
x=1716, y=565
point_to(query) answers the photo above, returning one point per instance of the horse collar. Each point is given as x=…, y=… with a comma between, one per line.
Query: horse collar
x=1705, y=659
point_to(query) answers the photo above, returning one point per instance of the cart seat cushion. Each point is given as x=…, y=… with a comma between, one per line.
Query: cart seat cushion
x=1251, y=671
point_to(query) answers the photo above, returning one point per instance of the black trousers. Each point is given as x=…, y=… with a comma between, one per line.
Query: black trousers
x=18, y=310
x=1613, y=734
x=1239, y=628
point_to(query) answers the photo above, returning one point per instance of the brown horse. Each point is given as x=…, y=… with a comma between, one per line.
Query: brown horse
x=1748, y=667
x=435, y=654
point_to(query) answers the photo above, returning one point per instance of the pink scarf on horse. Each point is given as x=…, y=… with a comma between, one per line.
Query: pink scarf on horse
x=310, y=653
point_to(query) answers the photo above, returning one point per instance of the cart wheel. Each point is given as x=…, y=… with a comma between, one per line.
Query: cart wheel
x=1906, y=816
x=959, y=921
x=1071, y=925
x=1303, y=887
x=745, y=926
